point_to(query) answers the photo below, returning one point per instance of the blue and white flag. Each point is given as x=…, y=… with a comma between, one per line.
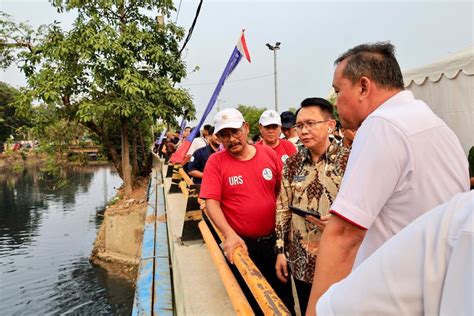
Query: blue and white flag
x=159, y=139
x=182, y=126
x=239, y=51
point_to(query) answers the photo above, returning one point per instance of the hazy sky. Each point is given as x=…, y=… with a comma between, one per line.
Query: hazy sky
x=312, y=35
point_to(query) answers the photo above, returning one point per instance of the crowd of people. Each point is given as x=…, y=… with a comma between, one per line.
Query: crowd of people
x=345, y=212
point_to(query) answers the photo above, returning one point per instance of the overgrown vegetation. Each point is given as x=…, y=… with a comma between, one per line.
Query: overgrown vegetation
x=113, y=73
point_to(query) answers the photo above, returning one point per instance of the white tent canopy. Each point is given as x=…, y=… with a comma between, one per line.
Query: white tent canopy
x=447, y=86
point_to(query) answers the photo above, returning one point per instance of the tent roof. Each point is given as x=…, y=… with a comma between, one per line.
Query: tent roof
x=449, y=67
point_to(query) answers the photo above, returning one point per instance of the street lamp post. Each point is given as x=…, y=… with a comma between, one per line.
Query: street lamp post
x=274, y=49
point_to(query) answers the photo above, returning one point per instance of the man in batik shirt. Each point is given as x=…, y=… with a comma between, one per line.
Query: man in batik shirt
x=310, y=181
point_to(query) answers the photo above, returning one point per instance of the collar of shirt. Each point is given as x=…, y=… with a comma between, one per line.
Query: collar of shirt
x=305, y=156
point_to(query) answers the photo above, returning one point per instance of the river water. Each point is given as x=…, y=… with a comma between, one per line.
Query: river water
x=46, y=237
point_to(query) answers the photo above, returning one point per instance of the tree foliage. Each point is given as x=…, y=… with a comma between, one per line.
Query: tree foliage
x=10, y=120
x=251, y=115
x=114, y=72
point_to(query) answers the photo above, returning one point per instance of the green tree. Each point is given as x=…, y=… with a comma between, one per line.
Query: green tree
x=251, y=115
x=114, y=72
x=10, y=120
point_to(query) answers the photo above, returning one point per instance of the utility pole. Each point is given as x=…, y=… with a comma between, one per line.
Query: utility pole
x=274, y=49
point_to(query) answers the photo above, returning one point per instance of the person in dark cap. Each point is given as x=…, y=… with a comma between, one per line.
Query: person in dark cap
x=288, y=120
x=200, y=156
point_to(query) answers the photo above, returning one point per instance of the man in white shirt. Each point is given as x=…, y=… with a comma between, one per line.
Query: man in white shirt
x=404, y=161
x=425, y=269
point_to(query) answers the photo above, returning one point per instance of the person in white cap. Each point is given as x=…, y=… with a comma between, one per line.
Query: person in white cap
x=240, y=185
x=270, y=129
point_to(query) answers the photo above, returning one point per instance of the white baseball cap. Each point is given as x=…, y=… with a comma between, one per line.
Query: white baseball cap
x=228, y=118
x=270, y=117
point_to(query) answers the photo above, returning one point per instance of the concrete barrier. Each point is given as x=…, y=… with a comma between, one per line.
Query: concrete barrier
x=154, y=292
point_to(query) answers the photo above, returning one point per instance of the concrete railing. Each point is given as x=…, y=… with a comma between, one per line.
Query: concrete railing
x=154, y=293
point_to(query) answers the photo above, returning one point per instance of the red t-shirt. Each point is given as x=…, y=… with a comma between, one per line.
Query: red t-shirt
x=284, y=149
x=246, y=190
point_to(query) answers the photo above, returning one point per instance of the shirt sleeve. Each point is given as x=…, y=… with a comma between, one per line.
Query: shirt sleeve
x=283, y=214
x=410, y=274
x=377, y=165
x=196, y=162
x=211, y=186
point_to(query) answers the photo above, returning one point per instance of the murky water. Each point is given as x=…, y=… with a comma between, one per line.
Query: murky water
x=46, y=238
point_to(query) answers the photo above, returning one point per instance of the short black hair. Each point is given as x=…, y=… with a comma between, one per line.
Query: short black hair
x=324, y=105
x=207, y=127
x=198, y=133
x=210, y=130
x=375, y=61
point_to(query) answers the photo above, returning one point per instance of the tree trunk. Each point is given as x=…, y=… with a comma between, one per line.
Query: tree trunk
x=109, y=147
x=135, y=168
x=127, y=173
x=144, y=150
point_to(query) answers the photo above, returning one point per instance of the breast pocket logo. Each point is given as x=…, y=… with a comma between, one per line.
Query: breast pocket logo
x=267, y=174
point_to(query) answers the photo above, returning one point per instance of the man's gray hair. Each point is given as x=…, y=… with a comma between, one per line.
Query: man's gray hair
x=375, y=61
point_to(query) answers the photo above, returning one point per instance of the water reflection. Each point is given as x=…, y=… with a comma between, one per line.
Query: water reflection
x=45, y=240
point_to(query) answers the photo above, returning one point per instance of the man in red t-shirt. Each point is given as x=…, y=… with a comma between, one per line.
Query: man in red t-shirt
x=270, y=129
x=240, y=185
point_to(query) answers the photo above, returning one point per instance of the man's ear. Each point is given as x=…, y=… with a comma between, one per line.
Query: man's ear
x=247, y=126
x=364, y=86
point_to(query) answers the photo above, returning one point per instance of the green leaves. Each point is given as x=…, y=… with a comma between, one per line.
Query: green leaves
x=115, y=63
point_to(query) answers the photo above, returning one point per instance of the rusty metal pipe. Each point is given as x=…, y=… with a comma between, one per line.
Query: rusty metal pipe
x=264, y=294
x=237, y=297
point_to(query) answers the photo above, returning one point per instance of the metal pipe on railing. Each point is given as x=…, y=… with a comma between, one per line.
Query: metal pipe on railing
x=237, y=297
x=185, y=176
x=264, y=294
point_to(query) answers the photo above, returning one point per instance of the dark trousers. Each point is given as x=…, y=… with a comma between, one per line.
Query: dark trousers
x=303, y=290
x=262, y=253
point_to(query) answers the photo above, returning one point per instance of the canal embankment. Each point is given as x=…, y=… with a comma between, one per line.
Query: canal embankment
x=17, y=161
x=118, y=244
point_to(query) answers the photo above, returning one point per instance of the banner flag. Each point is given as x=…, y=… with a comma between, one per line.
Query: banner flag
x=182, y=126
x=240, y=50
x=159, y=140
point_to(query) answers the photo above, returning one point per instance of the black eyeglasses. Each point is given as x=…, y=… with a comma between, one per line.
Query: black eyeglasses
x=308, y=124
x=234, y=132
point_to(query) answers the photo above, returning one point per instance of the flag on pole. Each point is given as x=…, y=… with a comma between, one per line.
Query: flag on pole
x=240, y=50
x=159, y=140
x=182, y=126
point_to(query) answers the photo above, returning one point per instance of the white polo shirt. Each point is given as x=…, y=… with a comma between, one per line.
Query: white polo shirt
x=404, y=161
x=425, y=269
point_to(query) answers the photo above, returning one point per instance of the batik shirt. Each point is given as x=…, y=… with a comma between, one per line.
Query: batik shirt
x=311, y=186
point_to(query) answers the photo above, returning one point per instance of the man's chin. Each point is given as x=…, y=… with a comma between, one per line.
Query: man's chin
x=235, y=149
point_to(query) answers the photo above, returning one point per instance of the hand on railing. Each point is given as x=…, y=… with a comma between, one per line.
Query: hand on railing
x=202, y=204
x=230, y=244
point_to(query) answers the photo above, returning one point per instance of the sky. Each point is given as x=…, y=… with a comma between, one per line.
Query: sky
x=312, y=35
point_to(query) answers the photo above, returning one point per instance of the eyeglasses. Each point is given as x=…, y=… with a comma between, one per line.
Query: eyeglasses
x=234, y=132
x=308, y=124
